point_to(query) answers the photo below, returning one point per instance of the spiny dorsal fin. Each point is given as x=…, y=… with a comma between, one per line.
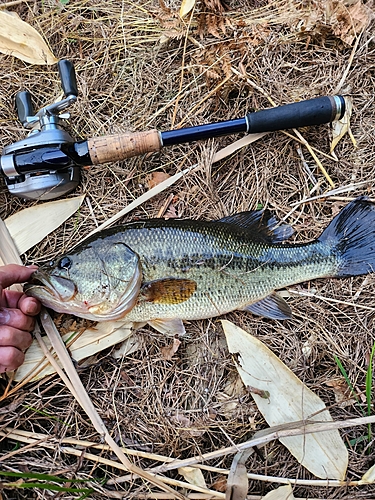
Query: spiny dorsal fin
x=167, y=291
x=273, y=306
x=262, y=225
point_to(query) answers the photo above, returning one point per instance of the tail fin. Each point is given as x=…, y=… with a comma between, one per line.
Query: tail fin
x=352, y=236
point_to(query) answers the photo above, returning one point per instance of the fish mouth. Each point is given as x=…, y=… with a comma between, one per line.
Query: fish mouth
x=50, y=289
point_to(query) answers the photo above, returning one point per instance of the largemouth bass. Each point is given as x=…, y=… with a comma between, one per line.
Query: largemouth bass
x=165, y=271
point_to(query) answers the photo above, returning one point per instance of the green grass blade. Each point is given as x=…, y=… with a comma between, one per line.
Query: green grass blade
x=350, y=385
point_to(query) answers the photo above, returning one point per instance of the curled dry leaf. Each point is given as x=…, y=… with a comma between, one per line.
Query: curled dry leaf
x=324, y=454
x=186, y=7
x=21, y=40
x=341, y=127
x=238, y=484
x=193, y=475
x=341, y=390
x=169, y=351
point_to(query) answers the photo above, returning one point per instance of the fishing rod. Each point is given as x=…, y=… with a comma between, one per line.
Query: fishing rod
x=46, y=164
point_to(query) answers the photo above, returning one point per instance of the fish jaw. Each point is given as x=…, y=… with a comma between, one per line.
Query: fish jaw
x=54, y=292
x=59, y=294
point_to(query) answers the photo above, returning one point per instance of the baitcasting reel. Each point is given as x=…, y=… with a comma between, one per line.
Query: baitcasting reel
x=37, y=167
x=47, y=163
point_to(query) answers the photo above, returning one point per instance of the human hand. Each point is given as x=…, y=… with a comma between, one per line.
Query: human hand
x=16, y=317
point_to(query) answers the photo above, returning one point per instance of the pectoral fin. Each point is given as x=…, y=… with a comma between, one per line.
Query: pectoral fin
x=273, y=307
x=168, y=291
x=168, y=326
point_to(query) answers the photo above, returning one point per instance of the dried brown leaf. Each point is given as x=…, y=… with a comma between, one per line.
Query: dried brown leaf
x=156, y=178
x=21, y=40
x=169, y=351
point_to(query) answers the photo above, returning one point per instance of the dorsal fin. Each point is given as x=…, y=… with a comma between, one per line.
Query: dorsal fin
x=262, y=225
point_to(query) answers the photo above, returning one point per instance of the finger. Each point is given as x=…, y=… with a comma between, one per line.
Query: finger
x=16, y=319
x=10, y=358
x=13, y=337
x=18, y=300
x=29, y=305
x=13, y=273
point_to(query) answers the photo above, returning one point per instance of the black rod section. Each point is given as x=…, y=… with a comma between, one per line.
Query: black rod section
x=300, y=114
x=200, y=132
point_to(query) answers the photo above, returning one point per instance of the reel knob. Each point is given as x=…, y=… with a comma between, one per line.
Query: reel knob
x=68, y=77
x=24, y=107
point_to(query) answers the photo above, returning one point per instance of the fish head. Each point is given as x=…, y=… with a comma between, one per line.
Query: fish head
x=99, y=280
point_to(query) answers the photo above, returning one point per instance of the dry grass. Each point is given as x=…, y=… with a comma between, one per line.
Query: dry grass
x=131, y=60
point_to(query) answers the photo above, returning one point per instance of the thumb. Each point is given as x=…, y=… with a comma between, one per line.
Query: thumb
x=13, y=273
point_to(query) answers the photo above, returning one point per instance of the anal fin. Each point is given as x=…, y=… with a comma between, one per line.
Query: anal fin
x=273, y=306
x=168, y=326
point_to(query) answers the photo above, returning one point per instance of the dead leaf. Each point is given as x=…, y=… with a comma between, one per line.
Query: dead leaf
x=230, y=396
x=31, y=225
x=21, y=40
x=369, y=476
x=281, y=493
x=260, y=392
x=324, y=454
x=341, y=127
x=220, y=484
x=346, y=20
x=187, y=426
x=186, y=7
x=169, y=351
x=342, y=391
x=91, y=341
x=193, y=475
x=238, y=483
x=156, y=178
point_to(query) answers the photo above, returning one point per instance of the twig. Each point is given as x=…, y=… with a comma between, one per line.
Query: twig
x=144, y=197
x=335, y=301
x=11, y=4
x=80, y=394
x=38, y=439
x=350, y=61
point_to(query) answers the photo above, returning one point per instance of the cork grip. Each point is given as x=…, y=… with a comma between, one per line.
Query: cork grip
x=118, y=147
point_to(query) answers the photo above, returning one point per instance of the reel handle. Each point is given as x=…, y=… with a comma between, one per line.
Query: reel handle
x=24, y=106
x=68, y=77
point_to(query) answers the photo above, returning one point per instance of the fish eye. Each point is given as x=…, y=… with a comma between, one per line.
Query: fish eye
x=65, y=263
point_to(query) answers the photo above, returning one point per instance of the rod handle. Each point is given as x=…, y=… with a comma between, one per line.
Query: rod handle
x=24, y=106
x=121, y=146
x=299, y=114
x=68, y=77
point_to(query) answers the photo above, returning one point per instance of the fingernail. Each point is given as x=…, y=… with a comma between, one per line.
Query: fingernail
x=4, y=316
x=32, y=266
x=32, y=309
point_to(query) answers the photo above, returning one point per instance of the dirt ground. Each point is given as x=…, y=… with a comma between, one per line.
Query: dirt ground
x=139, y=66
